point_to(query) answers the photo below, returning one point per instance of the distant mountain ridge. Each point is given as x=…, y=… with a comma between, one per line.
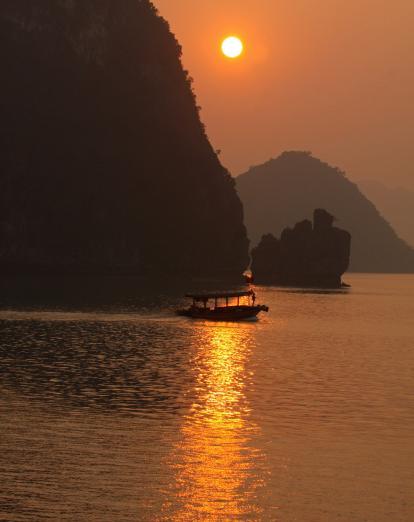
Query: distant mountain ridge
x=396, y=204
x=287, y=189
x=104, y=162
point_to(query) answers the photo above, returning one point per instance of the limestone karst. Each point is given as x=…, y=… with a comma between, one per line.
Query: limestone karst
x=309, y=254
x=284, y=190
x=104, y=162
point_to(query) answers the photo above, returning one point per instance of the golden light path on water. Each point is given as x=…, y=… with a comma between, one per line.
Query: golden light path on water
x=217, y=469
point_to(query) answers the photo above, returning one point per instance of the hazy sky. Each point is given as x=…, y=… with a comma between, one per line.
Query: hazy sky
x=332, y=76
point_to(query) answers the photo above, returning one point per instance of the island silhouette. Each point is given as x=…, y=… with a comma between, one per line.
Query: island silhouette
x=309, y=254
x=106, y=166
x=284, y=190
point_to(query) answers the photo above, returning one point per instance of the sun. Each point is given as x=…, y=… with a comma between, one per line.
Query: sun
x=232, y=47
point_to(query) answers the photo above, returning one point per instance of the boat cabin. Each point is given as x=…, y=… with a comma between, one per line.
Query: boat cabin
x=228, y=306
x=227, y=299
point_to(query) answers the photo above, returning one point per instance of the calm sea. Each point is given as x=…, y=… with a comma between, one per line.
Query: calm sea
x=113, y=409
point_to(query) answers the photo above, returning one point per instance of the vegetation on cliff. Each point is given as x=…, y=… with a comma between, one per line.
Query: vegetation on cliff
x=283, y=190
x=104, y=162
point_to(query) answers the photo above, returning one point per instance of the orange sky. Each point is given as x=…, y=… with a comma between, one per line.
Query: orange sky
x=332, y=76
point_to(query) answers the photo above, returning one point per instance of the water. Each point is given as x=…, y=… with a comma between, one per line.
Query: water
x=116, y=410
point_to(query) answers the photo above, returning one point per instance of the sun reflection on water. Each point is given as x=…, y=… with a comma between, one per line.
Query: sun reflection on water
x=216, y=466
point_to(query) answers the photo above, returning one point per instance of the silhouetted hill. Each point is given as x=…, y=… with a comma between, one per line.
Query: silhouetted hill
x=396, y=204
x=283, y=190
x=104, y=163
x=314, y=254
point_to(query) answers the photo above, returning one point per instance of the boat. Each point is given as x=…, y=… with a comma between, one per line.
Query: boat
x=226, y=306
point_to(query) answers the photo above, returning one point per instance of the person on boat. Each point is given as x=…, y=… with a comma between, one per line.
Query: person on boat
x=253, y=297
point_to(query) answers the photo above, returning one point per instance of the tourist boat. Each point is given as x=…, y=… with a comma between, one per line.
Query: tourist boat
x=228, y=306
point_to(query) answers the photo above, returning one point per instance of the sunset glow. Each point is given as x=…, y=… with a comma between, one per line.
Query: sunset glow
x=232, y=47
x=207, y=260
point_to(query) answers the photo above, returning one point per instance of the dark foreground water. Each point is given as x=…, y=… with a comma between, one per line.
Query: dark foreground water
x=120, y=411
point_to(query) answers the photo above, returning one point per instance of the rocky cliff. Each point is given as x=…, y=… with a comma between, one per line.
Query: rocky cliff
x=285, y=189
x=104, y=162
x=306, y=255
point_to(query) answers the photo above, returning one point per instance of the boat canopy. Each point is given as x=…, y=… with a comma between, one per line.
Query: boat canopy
x=223, y=295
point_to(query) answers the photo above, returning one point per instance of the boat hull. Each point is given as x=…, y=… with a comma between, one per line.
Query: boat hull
x=228, y=313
